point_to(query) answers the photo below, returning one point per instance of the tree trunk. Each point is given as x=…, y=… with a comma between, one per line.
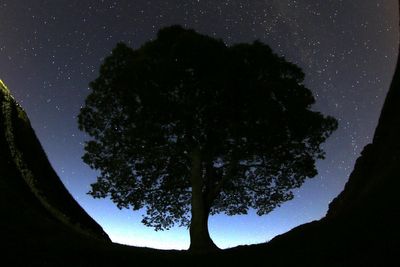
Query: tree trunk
x=200, y=240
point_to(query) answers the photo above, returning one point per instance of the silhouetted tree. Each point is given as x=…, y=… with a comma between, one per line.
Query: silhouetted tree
x=186, y=126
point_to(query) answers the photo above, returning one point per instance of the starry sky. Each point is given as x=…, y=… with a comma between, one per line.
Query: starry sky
x=51, y=49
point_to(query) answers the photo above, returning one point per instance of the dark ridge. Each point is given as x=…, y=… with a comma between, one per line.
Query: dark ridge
x=20, y=196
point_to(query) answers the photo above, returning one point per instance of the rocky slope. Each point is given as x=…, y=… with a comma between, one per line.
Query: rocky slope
x=374, y=183
x=33, y=200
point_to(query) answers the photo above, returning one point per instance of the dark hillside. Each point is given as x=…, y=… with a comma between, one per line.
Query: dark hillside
x=24, y=154
x=37, y=211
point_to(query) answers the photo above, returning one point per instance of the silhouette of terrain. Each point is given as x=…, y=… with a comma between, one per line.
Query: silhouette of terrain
x=37, y=211
x=43, y=225
x=24, y=157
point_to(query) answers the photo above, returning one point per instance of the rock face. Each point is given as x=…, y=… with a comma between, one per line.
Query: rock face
x=34, y=203
x=373, y=185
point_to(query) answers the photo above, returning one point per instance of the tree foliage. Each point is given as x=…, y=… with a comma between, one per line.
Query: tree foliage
x=242, y=108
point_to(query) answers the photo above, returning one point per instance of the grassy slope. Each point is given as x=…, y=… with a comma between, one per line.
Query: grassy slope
x=46, y=181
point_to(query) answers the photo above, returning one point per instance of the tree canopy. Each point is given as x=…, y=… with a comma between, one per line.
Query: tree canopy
x=186, y=105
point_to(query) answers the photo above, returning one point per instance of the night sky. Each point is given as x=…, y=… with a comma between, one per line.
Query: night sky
x=51, y=50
